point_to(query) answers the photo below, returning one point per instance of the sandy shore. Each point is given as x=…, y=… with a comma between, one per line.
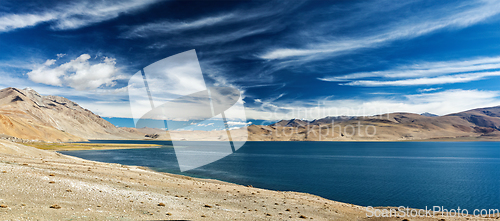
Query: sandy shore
x=32, y=181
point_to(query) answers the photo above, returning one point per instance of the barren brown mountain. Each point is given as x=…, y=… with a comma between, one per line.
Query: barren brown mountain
x=27, y=115
x=477, y=124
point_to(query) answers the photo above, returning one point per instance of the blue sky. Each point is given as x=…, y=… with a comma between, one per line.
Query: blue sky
x=293, y=59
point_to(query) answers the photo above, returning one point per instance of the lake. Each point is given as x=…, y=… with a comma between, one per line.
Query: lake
x=413, y=174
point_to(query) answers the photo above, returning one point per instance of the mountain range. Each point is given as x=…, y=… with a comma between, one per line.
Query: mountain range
x=26, y=115
x=476, y=124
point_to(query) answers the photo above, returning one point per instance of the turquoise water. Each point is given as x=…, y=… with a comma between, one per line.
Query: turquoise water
x=414, y=174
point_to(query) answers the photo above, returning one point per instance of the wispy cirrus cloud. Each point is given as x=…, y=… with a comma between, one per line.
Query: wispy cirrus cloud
x=449, y=16
x=447, y=79
x=163, y=27
x=425, y=73
x=219, y=28
x=426, y=69
x=71, y=15
x=429, y=89
x=224, y=37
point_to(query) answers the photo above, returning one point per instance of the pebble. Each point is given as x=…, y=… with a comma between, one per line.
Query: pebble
x=3, y=206
x=55, y=206
x=161, y=204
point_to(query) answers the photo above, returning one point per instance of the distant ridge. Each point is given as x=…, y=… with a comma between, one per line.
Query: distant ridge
x=477, y=124
x=427, y=114
x=290, y=123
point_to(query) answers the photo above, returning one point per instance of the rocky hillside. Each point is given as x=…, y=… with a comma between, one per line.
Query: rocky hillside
x=27, y=115
x=477, y=124
x=482, y=117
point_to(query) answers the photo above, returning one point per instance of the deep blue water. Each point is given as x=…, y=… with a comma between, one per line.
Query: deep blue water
x=414, y=174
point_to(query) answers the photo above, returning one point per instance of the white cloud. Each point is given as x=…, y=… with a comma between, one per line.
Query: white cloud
x=265, y=10
x=461, y=16
x=447, y=79
x=72, y=15
x=162, y=27
x=429, y=89
x=441, y=103
x=14, y=21
x=221, y=37
x=238, y=123
x=427, y=69
x=79, y=73
x=426, y=73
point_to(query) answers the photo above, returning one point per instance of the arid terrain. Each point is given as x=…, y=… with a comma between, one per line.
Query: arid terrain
x=28, y=116
x=44, y=185
x=40, y=184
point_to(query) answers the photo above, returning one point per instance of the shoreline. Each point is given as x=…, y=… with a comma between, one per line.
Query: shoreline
x=35, y=180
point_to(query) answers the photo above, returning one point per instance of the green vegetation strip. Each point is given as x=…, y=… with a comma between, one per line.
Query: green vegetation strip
x=88, y=146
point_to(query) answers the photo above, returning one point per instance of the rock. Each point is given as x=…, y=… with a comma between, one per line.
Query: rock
x=302, y=217
x=208, y=206
x=3, y=206
x=69, y=191
x=161, y=204
x=153, y=136
x=52, y=182
x=55, y=206
x=51, y=174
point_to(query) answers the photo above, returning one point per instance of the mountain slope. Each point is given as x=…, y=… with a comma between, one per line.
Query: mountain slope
x=477, y=124
x=26, y=114
x=290, y=123
x=482, y=117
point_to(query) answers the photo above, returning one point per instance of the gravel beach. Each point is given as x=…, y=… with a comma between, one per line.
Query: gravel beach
x=45, y=185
